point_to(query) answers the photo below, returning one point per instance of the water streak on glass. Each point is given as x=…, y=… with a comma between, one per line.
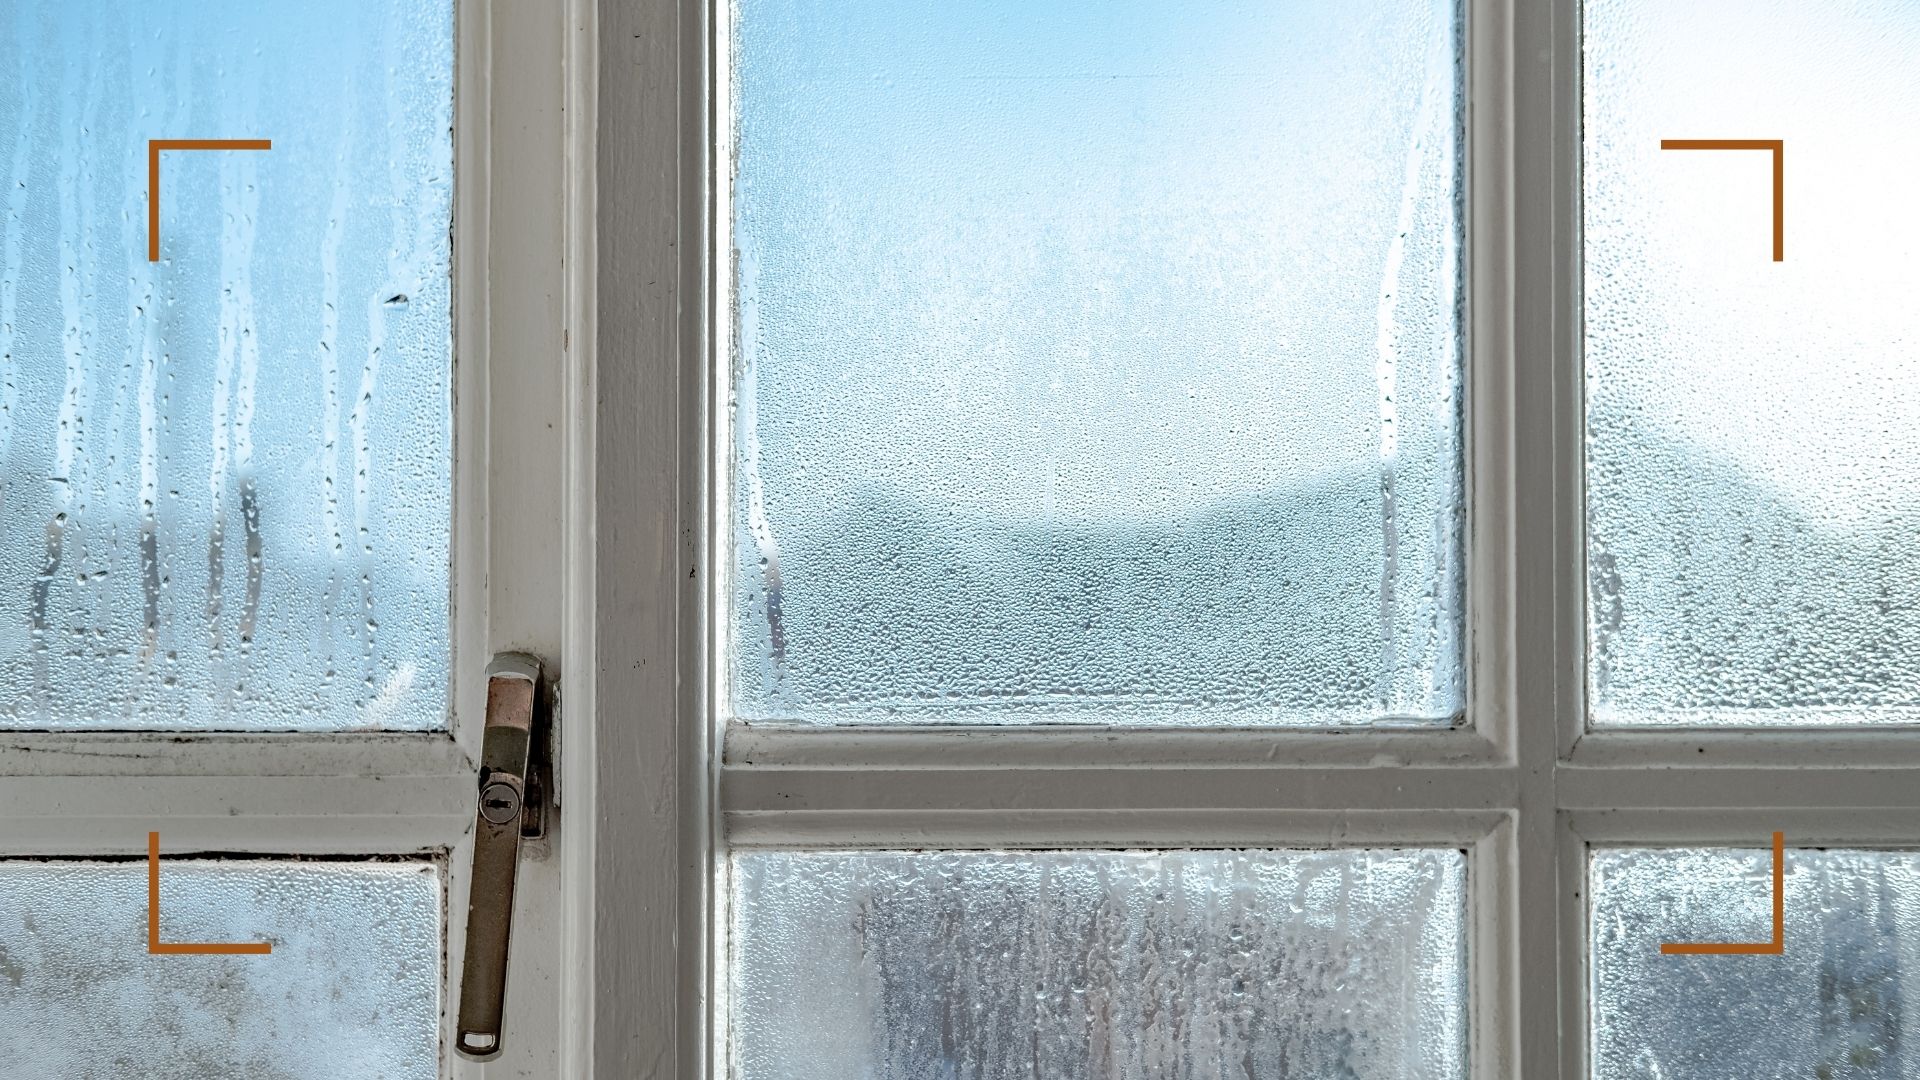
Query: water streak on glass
x=1170, y=965
x=1832, y=1006
x=1096, y=362
x=1753, y=506
x=225, y=476
x=351, y=989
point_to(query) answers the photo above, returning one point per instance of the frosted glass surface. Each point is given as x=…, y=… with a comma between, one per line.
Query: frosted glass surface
x=1117, y=965
x=1831, y=1007
x=1096, y=362
x=351, y=989
x=224, y=476
x=1752, y=426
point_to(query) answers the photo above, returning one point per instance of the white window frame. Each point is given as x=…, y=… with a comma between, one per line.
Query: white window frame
x=521, y=523
x=584, y=498
x=1525, y=789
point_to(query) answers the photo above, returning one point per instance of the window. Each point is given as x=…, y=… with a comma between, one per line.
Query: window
x=1068, y=390
x=353, y=981
x=1828, y=1005
x=1079, y=963
x=1749, y=556
x=228, y=469
x=1002, y=650
x=280, y=469
x=1041, y=416
x=1750, y=539
x=1071, y=539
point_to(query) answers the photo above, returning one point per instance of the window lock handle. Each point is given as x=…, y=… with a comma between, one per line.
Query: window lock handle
x=511, y=807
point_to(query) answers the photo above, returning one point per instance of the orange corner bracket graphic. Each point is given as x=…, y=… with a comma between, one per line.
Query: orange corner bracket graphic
x=1763, y=948
x=1779, y=148
x=164, y=948
x=154, y=146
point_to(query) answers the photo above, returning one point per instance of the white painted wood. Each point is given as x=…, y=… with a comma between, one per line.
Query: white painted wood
x=1546, y=455
x=1695, y=748
x=754, y=746
x=1494, y=951
x=80, y=755
x=652, y=811
x=51, y=805
x=472, y=250
x=1133, y=828
x=1507, y=1028
x=407, y=832
x=1750, y=826
x=528, y=389
x=1562, y=974
x=1492, y=706
x=1169, y=787
x=576, y=778
x=1731, y=788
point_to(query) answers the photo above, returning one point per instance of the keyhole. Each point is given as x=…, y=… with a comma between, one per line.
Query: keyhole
x=500, y=803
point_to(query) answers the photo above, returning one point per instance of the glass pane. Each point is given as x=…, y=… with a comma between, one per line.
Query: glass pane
x=1125, y=965
x=351, y=989
x=224, y=476
x=1096, y=362
x=1827, y=1008
x=1753, y=509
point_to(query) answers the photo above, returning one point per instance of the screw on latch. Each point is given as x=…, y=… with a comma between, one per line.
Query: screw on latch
x=500, y=802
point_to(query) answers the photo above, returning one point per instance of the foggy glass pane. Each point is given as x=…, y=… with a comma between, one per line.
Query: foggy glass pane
x=1119, y=965
x=1752, y=426
x=224, y=476
x=351, y=989
x=1830, y=1007
x=1096, y=362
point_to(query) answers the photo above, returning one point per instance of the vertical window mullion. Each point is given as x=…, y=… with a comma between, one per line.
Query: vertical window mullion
x=1546, y=648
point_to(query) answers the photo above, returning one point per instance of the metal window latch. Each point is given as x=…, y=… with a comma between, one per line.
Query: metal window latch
x=515, y=778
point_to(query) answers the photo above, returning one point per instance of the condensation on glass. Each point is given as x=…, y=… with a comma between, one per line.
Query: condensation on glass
x=1753, y=510
x=1096, y=362
x=351, y=989
x=1126, y=965
x=224, y=476
x=1830, y=1007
